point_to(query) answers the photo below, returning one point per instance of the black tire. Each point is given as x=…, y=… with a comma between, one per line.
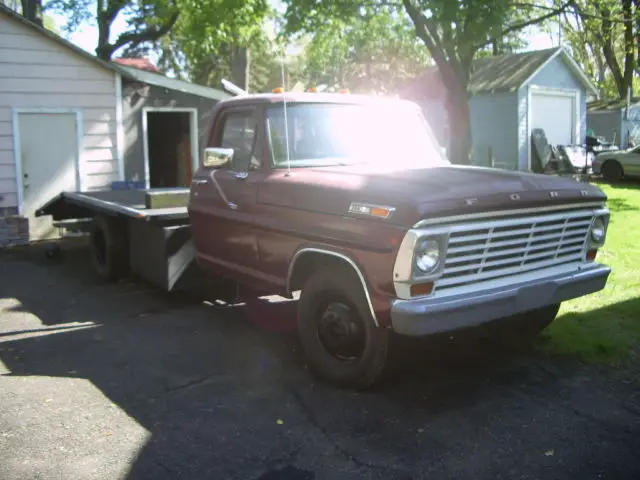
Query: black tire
x=337, y=291
x=612, y=171
x=109, y=249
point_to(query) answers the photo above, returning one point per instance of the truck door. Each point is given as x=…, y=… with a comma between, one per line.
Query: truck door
x=223, y=201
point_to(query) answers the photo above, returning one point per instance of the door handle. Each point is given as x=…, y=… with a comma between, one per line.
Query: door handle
x=240, y=175
x=197, y=181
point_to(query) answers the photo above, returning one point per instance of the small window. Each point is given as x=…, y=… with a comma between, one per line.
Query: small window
x=239, y=132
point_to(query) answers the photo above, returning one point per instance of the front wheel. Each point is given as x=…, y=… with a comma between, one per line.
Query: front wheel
x=337, y=332
x=612, y=171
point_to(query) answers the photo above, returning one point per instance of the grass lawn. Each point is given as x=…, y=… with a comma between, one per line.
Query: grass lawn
x=605, y=327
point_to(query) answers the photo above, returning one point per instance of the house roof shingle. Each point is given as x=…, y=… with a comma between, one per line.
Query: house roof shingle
x=504, y=73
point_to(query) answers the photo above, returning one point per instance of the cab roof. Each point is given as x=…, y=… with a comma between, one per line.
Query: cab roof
x=308, y=97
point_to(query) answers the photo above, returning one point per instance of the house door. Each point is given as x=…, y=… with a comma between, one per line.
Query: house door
x=49, y=154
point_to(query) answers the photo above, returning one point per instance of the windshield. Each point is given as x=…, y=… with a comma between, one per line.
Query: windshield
x=346, y=134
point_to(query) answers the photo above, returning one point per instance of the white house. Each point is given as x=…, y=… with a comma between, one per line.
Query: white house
x=66, y=125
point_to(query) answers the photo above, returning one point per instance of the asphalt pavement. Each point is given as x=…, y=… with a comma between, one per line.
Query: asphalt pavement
x=121, y=381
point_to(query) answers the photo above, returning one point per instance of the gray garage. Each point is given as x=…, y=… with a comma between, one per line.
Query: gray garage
x=615, y=121
x=511, y=95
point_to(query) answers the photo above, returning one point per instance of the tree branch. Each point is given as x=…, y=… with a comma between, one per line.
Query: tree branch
x=520, y=26
x=553, y=13
x=149, y=35
x=420, y=23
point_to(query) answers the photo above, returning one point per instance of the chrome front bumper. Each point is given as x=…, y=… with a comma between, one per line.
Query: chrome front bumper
x=433, y=315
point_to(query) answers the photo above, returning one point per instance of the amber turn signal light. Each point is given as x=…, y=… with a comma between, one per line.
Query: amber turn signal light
x=591, y=254
x=419, y=289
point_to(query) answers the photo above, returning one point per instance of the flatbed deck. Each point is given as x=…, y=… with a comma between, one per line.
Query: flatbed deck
x=128, y=203
x=153, y=243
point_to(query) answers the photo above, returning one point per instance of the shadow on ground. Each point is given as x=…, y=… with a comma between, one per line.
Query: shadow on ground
x=223, y=392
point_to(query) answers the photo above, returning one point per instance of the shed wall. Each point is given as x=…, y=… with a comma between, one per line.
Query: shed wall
x=135, y=98
x=494, y=129
x=606, y=124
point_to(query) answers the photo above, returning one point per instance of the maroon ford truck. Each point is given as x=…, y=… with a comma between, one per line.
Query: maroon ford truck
x=349, y=200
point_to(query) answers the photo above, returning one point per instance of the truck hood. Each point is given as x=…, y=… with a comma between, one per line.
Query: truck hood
x=422, y=193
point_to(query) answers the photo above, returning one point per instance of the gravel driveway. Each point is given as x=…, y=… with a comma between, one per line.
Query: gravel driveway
x=113, y=381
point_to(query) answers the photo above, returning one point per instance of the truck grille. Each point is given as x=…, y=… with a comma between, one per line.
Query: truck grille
x=503, y=247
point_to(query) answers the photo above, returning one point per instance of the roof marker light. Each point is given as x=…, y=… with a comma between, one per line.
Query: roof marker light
x=278, y=90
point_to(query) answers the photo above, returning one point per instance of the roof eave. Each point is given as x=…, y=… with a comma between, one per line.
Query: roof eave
x=61, y=41
x=589, y=87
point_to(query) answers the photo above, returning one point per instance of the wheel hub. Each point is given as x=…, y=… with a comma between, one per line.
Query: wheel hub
x=340, y=331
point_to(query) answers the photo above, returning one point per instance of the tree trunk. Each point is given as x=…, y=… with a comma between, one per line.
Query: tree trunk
x=636, y=4
x=32, y=10
x=496, y=47
x=240, y=65
x=104, y=50
x=629, y=47
x=459, y=127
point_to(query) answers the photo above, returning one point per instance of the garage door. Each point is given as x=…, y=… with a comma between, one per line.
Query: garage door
x=556, y=115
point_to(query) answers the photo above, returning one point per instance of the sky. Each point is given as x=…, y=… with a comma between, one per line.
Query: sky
x=86, y=37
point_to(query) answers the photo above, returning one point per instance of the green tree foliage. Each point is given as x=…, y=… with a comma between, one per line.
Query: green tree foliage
x=50, y=24
x=368, y=54
x=201, y=40
x=215, y=39
x=453, y=32
x=604, y=37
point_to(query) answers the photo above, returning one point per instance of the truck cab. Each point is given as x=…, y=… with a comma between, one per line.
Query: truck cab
x=349, y=200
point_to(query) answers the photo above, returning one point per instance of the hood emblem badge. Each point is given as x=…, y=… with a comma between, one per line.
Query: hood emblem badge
x=584, y=193
x=553, y=194
x=471, y=201
x=514, y=196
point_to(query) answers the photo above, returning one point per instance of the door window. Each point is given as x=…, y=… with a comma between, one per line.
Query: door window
x=239, y=133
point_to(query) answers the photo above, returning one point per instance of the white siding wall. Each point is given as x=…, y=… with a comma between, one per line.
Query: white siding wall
x=36, y=72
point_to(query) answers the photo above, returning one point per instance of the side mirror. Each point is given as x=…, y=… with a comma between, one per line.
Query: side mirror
x=217, y=157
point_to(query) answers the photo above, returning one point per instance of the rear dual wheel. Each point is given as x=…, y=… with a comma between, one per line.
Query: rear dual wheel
x=109, y=249
x=337, y=332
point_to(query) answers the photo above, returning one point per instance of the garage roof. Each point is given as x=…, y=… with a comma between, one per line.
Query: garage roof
x=503, y=73
x=511, y=71
x=127, y=72
x=611, y=105
x=160, y=80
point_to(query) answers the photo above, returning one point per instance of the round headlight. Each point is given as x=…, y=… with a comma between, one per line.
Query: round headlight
x=428, y=256
x=598, y=230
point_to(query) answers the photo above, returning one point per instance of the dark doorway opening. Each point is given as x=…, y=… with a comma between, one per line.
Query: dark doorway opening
x=169, y=139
